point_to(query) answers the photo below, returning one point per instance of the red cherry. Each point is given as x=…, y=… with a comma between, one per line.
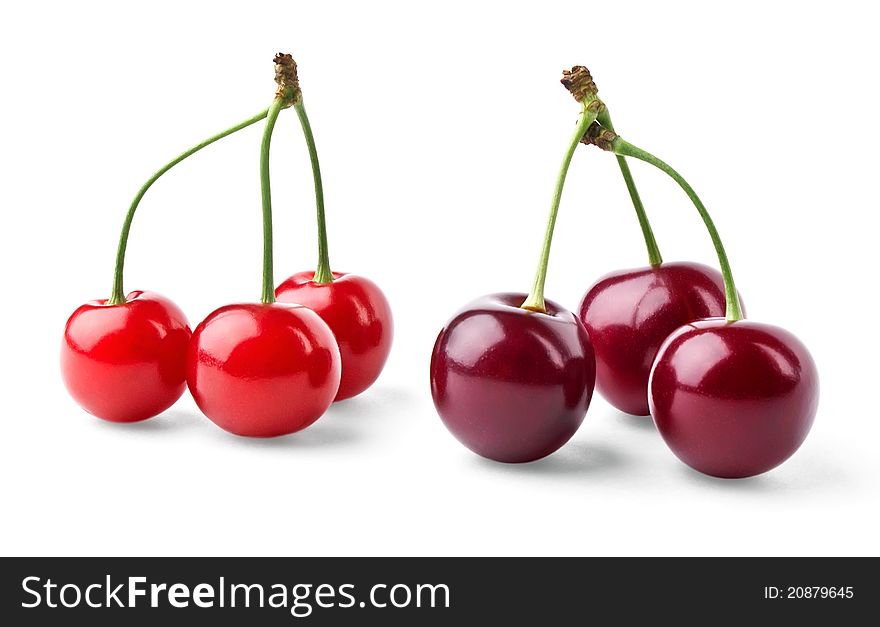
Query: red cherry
x=733, y=399
x=125, y=362
x=263, y=370
x=512, y=385
x=359, y=315
x=629, y=313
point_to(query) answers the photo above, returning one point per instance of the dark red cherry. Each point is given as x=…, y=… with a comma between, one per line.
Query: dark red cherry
x=512, y=385
x=733, y=399
x=629, y=313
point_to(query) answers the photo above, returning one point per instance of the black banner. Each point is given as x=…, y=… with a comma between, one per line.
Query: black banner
x=434, y=591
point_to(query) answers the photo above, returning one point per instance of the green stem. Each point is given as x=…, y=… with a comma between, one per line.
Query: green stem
x=322, y=272
x=654, y=257
x=266, y=195
x=117, y=295
x=535, y=300
x=623, y=148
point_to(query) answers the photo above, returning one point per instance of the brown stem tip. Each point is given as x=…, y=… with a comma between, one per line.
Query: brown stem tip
x=598, y=135
x=579, y=82
x=287, y=79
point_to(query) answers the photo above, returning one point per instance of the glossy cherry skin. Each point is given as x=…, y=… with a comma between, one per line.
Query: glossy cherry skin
x=512, y=385
x=733, y=399
x=629, y=313
x=125, y=363
x=359, y=315
x=263, y=370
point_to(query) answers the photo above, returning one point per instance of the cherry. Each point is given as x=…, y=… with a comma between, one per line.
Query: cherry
x=629, y=313
x=511, y=384
x=353, y=306
x=359, y=315
x=124, y=363
x=512, y=375
x=733, y=399
x=263, y=370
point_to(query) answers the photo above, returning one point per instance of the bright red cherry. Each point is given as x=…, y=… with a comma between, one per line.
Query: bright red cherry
x=733, y=399
x=629, y=313
x=125, y=363
x=354, y=307
x=359, y=315
x=512, y=385
x=263, y=370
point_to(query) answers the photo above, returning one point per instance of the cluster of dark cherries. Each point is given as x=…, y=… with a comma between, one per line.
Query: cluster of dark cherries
x=512, y=374
x=255, y=369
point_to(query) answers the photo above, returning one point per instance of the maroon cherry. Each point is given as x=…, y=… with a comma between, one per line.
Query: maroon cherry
x=512, y=375
x=511, y=384
x=629, y=313
x=733, y=399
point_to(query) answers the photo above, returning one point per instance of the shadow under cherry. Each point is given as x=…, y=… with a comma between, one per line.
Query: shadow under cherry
x=575, y=459
x=640, y=423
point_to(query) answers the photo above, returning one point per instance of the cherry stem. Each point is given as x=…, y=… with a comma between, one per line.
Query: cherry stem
x=322, y=272
x=654, y=257
x=535, y=300
x=266, y=192
x=117, y=295
x=623, y=148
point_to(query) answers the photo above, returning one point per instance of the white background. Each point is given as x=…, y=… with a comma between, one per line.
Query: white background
x=440, y=131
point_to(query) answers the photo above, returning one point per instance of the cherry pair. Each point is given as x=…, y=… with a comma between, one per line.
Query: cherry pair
x=256, y=369
x=512, y=375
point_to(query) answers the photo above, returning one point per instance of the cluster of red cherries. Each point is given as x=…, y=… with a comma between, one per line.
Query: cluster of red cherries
x=512, y=374
x=255, y=369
